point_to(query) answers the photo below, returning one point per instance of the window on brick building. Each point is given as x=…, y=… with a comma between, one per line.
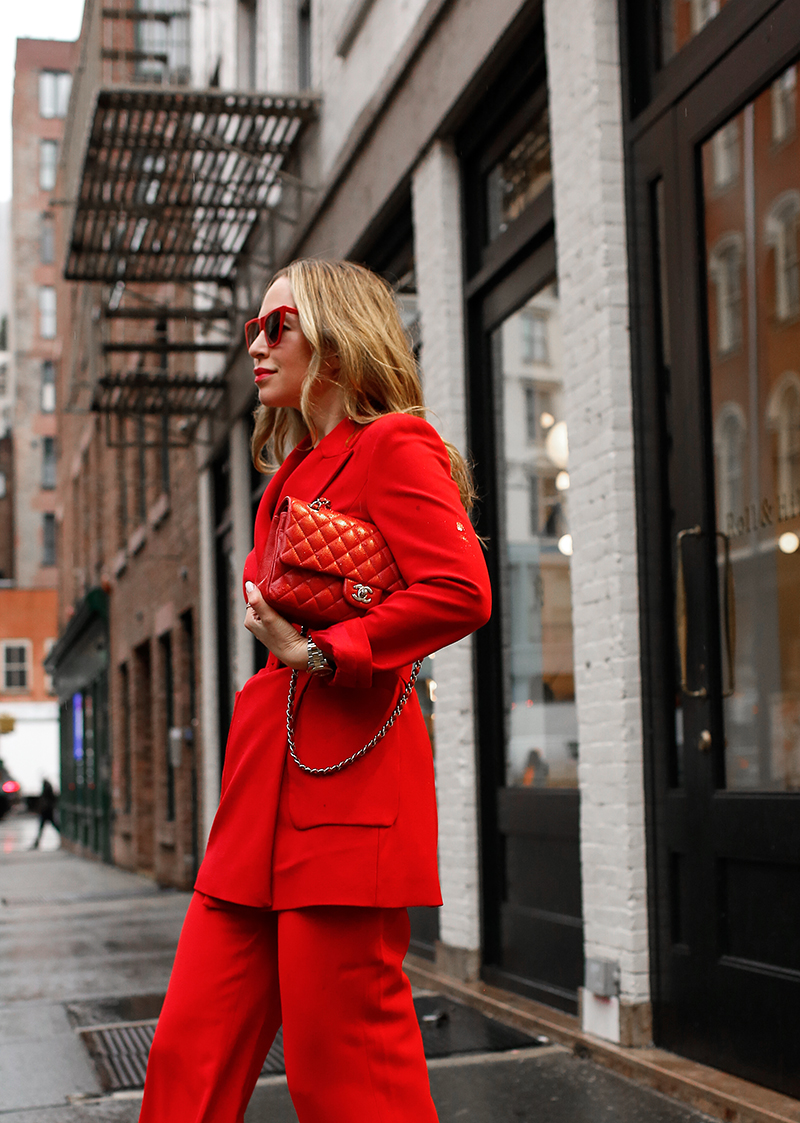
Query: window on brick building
x=48, y=387
x=17, y=666
x=246, y=29
x=48, y=463
x=304, y=44
x=168, y=673
x=47, y=311
x=48, y=164
x=3, y=378
x=141, y=475
x=48, y=538
x=47, y=240
x=54, y=91
x=127, y=758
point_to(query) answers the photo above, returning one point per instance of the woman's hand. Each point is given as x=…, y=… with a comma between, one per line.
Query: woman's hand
x=282, y=639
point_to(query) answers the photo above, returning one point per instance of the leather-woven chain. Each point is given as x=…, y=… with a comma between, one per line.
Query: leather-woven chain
x=384, y=729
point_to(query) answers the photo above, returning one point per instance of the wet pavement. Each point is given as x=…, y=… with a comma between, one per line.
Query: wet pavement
x=83, y=942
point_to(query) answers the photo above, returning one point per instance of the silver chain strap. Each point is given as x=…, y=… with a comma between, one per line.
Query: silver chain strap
x=384, y=729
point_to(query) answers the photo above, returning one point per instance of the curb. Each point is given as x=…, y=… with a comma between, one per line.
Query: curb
x=715, y=1093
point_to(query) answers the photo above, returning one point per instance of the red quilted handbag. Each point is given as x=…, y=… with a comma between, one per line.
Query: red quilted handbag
x=321, y=566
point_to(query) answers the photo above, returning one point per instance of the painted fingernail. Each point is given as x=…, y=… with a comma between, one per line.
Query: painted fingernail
x=249, y=586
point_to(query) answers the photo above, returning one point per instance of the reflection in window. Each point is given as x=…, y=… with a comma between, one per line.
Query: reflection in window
x=756, y=408
x=783, y=418
x=681, y=20
x=784, y=105
x=725, y=271
x=725, y=150
x=730, y=434
x=537, y=613
x=781, y=235
x=519, y=177
x=703, y=11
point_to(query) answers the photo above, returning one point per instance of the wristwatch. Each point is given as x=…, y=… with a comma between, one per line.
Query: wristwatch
x=317, y=663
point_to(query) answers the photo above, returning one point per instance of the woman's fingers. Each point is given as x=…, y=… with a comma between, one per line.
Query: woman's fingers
x=273, y=630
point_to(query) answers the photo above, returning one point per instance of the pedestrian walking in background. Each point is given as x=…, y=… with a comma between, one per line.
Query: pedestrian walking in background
x=47, y=811
x=299, y=916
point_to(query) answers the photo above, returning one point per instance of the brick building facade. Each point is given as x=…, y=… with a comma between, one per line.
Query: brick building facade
x=41, y=94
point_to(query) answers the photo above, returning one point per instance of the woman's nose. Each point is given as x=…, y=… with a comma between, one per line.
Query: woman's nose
x=259, y=346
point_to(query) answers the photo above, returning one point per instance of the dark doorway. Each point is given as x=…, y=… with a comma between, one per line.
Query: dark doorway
x=532, y=926
x=716, y=206
x=144, y=772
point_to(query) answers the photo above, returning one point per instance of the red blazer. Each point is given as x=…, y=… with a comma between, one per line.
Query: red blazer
x=368, y=834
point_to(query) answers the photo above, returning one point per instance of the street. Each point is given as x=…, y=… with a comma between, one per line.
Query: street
x=88, y=944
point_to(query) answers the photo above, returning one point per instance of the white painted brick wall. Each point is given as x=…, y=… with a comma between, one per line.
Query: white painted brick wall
x=585, y=109
x=437, y=248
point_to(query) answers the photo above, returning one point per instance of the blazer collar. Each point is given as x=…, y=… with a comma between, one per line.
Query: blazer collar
x=335, y=449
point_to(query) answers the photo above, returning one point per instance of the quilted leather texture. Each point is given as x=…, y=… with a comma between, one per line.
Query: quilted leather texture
x=315, y=557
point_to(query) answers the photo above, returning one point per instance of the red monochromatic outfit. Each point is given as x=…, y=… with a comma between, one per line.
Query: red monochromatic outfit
x=300, y=912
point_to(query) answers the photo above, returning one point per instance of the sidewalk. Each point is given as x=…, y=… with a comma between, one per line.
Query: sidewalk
x=78, y=935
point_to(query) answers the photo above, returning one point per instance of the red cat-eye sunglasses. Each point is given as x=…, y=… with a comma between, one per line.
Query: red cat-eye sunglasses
x=271, y=325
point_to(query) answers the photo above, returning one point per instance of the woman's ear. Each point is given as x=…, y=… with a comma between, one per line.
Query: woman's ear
x=330, y=365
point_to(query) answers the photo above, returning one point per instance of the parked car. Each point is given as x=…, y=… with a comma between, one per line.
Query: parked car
x=9, y=790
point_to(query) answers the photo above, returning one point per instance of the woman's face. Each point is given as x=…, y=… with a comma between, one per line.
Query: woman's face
x=281, y=370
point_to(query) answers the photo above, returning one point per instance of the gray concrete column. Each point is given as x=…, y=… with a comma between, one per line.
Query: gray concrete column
x=586, y=135
x=241, y=514
x=209, y=691
x=437, y=248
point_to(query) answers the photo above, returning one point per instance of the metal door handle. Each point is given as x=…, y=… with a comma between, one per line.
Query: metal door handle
x=729, y=615
x=681, y=621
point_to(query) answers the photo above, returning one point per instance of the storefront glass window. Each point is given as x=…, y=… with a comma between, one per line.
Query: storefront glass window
x=542, y=747
x=519, y=177
x=752, y=224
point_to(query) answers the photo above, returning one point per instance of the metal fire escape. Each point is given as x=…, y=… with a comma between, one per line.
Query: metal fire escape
x=173, y=184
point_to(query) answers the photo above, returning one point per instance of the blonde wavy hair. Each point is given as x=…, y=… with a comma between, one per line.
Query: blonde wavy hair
x=347, y=311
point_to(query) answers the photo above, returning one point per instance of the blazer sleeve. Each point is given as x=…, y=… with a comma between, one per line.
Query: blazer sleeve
x=412, y=498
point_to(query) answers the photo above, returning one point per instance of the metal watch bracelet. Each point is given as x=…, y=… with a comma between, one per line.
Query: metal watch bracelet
x=317, y=663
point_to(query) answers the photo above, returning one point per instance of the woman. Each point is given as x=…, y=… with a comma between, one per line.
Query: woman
x=299, y=917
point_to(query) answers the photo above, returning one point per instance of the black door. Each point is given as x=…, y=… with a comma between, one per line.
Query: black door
x=717, y=207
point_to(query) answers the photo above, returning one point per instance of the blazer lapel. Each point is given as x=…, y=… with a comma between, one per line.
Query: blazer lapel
x=335, y=451
x=269, y=499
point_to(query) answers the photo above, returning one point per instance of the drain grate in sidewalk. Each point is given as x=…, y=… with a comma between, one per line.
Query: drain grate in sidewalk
x=120, y=1050
x=120, y=1053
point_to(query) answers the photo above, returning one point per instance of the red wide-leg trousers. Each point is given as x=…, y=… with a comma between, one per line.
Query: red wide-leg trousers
x=331, y=975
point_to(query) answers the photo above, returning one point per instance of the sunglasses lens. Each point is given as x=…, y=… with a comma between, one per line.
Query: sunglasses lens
x=272, y=328
x=251, y=332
